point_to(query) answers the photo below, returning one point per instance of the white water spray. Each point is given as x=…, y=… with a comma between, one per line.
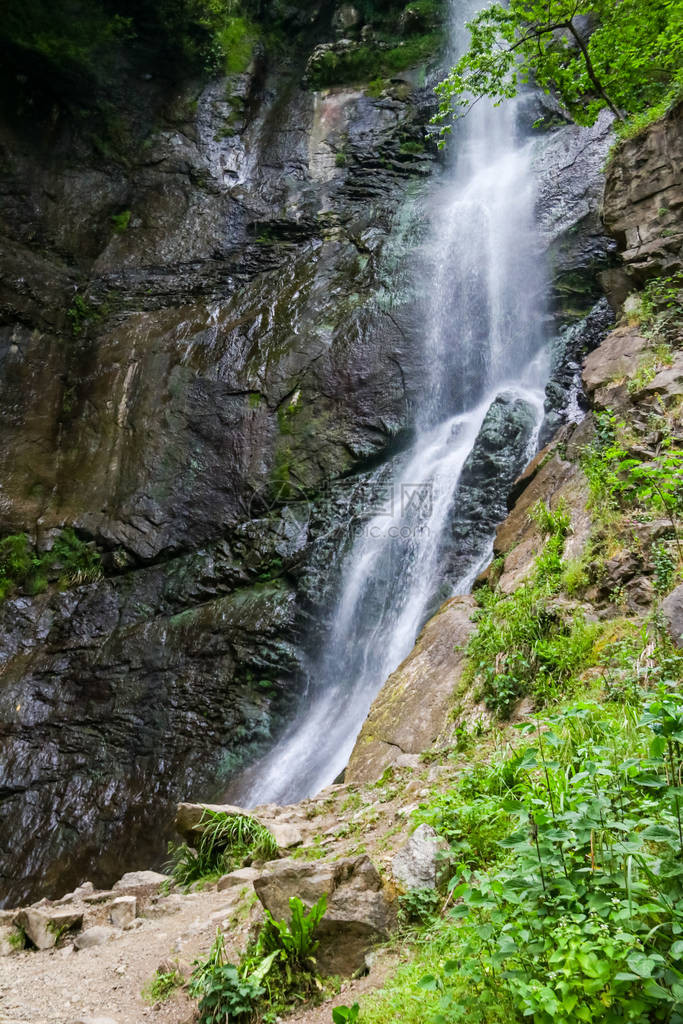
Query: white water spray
x=483, y=339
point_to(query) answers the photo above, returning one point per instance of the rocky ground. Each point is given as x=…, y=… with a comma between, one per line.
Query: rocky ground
x=104, y=981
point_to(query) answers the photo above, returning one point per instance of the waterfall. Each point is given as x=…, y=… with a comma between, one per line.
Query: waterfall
x=483, y=340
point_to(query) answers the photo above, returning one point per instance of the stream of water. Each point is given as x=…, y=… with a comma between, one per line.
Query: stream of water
x=483, y=338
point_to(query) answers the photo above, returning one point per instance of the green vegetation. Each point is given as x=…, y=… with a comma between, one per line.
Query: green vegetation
x=371, y=63
x=661, y=308
x=569, y=902
x=346, y=1014
x=618, y=480
x=226, y=841
x=524, y=645
x=276, y=972
x=418, y=906
x=120, y=221
x=631, y=61
x=70, y=561
x=81, y=313
x=17, y=938
x=162, y=986
x=82, y=41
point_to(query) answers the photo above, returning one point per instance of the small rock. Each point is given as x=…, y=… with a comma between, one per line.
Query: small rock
x=285, y=834
x=99, y=897
x=421, y=863
x=44, y=926
x=151, y=880
x=244, y=876
x=84, y=889
x=95, y=936
x=132, y=925
x=123, y=911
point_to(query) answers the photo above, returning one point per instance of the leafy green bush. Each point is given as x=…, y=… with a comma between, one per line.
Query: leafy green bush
x=620, y=481
x=578, y=916
x=277, y=971
x=71, y=560
x=545, y=41
x=581, y=923
x=418, y=906
x=224, y=993
x=226, y=840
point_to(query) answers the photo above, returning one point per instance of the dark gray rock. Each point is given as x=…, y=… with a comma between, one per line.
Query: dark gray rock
x=565, y=399
x=568, y=165
x=500, y=453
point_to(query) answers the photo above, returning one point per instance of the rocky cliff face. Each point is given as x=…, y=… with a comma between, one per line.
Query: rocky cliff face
x=206, y=340
x=643, y=200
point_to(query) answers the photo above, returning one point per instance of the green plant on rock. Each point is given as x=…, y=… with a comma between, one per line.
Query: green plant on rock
x=294, y=942
x=661, y=309
x=120, y=221
x=619, y=480
x=225, y=842
x=16, y=562
x=70, y=559
x=77, y=561
x=665, y=567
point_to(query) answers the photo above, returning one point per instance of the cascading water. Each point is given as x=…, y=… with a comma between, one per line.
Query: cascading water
x=483, y=342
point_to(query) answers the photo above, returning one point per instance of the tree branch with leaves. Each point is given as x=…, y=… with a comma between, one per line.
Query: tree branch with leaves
x=624, y=55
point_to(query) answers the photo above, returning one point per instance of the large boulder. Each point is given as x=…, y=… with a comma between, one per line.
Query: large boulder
x=423, y=862
x=359, y=910
x=410, y=710
x=44, y=925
